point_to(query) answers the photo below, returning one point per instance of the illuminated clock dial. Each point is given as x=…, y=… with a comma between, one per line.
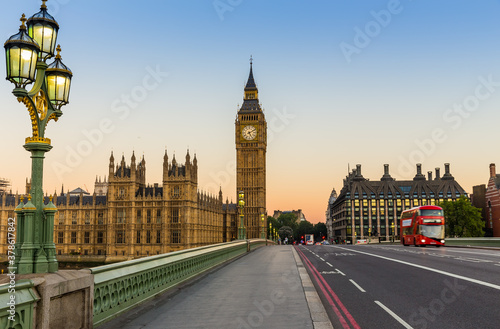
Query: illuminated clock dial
x=249, y=132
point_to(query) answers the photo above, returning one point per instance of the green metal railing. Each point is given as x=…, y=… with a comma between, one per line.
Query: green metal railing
x=122, y=286
x=18, y=301
x=477, y=242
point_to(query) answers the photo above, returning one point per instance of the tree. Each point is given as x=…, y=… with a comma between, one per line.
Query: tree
x=462, y=218
x=274, y=224
x=288, y=219
x=320, y=231
x=303, y=228
x=285, y=232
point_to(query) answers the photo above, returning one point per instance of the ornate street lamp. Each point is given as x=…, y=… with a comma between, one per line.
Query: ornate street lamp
x=262, y=233
x=242, y=234
x=26, y=55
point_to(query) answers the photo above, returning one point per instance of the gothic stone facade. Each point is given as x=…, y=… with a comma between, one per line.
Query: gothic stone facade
x=251, y=146
x=134, y=219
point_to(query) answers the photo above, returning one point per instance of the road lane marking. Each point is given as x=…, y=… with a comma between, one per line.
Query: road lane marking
x=357, y=285
x=394, y=315
x=475, y=253
x=486, y=284
x=329, y=293
x=339, y=272
x=321, y=258
x=329, y=264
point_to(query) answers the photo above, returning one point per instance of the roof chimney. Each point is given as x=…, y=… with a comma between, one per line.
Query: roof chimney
x=493, y=172
x=419, y=175
x=386, y=176
x=358, y=170
x=447, y=174
x=429, y=175
x=438, y=176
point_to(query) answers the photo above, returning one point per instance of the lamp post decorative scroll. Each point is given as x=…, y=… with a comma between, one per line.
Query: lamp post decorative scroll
x=26, y=55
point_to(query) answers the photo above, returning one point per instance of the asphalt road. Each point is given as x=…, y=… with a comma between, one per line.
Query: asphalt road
x=392, y=286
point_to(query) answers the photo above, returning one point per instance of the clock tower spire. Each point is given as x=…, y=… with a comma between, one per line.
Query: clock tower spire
x=251, y=146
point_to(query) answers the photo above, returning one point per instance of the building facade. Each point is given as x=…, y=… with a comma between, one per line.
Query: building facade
x=251, y=146
x=134, y=219
x=493, y=201
x=298, y=214
x=365, y=209
x=478, y=200
x=329, y=213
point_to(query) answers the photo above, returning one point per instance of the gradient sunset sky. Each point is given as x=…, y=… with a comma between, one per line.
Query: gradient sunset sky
x=342, y=82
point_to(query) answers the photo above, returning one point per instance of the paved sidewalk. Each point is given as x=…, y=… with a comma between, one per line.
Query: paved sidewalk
x=267, y=288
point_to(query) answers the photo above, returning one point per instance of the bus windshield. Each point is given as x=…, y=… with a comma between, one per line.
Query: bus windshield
x=431, y=212
x=432, y=231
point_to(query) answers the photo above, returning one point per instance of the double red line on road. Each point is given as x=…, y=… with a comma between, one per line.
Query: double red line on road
x=328, y=293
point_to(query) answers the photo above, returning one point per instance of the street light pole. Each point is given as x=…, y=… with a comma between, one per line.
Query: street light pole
x=26, y=56
x=262, y=233
x=242, y=234
x=393, y=232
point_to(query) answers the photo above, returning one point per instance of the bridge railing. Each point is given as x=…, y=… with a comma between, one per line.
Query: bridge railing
x=121, y=286
x=17, y=303
x=114, y=288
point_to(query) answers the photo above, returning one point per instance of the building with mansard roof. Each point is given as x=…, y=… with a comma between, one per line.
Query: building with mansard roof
x=126, y=218
x=368, y=209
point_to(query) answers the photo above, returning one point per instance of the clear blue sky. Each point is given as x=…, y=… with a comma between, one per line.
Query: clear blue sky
x=341, y=81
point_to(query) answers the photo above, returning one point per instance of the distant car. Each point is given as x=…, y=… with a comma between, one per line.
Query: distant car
x=318, y=243
x=309, y=243
x=326, y=242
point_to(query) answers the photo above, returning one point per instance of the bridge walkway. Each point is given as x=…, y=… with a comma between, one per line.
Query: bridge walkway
x=267, y=288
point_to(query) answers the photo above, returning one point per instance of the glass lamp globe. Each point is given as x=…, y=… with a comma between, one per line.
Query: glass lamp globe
x=21, y=53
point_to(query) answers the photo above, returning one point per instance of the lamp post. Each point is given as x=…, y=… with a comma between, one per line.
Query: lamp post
x=393, y=232
x=263, y=232
x=242, y=234
x=26, y=55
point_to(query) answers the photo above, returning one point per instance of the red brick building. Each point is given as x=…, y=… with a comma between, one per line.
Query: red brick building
x=493, y=201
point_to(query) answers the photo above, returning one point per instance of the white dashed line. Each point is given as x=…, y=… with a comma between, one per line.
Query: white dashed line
x=357, y=285
x=394, y=315
x=321, y=258
x=332, y=265
x=486, y=284
x=339, y=272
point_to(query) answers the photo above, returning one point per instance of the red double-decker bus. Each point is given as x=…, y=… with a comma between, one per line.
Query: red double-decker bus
x=422, y=226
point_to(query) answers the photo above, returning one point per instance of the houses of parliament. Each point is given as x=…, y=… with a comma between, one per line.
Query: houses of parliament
x=127, y=218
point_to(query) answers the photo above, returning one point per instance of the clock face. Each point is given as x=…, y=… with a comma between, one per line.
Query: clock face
x=249, y=132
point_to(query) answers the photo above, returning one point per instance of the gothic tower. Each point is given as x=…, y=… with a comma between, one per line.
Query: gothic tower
x=251, y=144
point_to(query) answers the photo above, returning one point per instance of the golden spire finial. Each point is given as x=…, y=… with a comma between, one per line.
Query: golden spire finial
x=29, y=197
x=44, y=6
x=23, y=20
x=58, y=49
x=22, y=198
x=50, y=198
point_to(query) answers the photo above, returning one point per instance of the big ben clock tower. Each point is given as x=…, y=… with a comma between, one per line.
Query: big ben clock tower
x=251, y=144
